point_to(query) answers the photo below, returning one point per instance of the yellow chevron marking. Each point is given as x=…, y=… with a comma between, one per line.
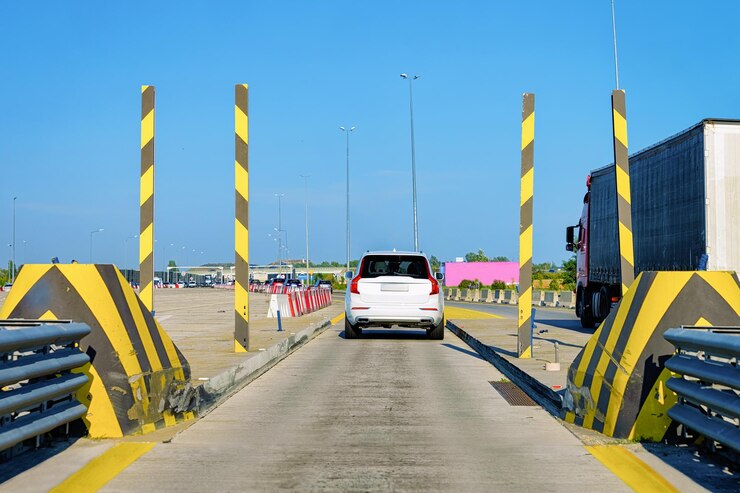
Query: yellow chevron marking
x=148, y=428
x=241, y=124
x=145, y=295
x=625, y=244
x=653, y=421
x=48, y=315
x=528, y=130
x=242, y=239
x=96, y=473
x=453, y=312
x=526, y=354
x=100, y=419
x=141, y=326
x=525, y=306
x=525, y=246
x=143, y=88
x=241, y=179
x=26, y=280
x=702, y=322
x=238, y=348
x=146, y=186
x=169, y=418
x=336, y=319
x=620, y=128
x=630, y=469
x=527, y=186
x=146, y=243
x=169, y=348
x=147, y=128
x=722, y=282
x=241, y=301
x=658, y=300
x=623, y=184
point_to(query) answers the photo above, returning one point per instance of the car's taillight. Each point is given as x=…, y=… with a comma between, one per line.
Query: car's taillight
x=435, y=285
x=353, y=285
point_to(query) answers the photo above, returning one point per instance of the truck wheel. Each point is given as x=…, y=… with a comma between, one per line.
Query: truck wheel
x=587, y=319
x=350, y=331
x=437, y=332
x=604, y=303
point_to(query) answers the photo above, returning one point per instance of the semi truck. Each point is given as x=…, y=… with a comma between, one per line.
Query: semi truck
x=685, y=195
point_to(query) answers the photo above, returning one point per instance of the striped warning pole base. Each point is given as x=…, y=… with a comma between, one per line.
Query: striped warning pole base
x=524, y=332
x=624, y=201
x=241, y=222
x=146, y=199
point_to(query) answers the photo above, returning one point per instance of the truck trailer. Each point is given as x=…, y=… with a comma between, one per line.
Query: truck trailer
x=685, y=195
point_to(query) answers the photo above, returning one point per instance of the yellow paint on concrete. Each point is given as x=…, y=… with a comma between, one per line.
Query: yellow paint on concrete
x=528, y=130
x=238, y=348
x=96, y=473
x=453, y=312
x=630, y=469
x=620, y=128
x=336, y=319
x=101, y=420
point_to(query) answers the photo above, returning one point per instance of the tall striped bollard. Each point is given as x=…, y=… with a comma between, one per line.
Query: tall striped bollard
x=524, y=332
x=624, y=200
x=146, y=200
x=241, y=221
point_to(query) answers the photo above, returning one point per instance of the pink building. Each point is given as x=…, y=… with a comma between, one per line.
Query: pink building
x=485, y=272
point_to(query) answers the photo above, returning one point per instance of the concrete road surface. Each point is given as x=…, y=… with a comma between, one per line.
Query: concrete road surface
x=390, y=412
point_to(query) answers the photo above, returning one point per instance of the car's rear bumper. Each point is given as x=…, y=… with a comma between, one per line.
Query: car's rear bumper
x=394, y=315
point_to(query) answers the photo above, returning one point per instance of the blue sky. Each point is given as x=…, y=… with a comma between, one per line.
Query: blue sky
x=70, y=99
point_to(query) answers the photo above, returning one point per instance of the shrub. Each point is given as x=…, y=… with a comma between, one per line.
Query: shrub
x=468, y=284
x=554, y=285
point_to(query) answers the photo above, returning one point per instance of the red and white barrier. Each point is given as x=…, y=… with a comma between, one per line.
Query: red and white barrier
x=298, y=302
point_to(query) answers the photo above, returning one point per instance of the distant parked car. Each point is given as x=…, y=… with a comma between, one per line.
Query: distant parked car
x=322, y=283
x=192, y=284
x=7, y=286
x=293, y=282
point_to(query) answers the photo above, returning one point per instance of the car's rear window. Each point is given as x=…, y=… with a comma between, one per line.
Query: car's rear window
x=412, y=266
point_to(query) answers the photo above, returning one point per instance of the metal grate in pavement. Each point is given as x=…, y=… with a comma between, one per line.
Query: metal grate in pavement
x=513, y=394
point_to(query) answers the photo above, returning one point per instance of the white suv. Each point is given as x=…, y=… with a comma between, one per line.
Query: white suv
x=394, y=288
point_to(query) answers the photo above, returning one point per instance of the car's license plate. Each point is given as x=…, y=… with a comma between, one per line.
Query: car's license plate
x=394, y=287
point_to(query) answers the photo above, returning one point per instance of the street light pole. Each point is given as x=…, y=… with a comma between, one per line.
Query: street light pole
x=351, y=129
x=305, y=181
x=91, y=241
x=413, y=155
x=13, y=269
x=279, y=232
x=125, y=254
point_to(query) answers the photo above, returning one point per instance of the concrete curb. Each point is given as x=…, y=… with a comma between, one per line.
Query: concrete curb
x=210, y=395
x=541, y=394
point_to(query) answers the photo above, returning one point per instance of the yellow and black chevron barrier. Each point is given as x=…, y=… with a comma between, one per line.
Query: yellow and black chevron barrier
x=136, y=371
x=616, y=385
x=624, y=200
x=241, y=222
x=146, y=200
x=524, y=334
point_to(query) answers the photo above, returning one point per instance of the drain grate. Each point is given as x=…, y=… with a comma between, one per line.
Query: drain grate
x=513, y=394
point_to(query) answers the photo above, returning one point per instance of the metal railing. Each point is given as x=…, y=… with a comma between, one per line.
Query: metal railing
x=37, y=386
x=709, y=389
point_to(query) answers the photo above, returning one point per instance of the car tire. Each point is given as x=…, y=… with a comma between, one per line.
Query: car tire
x=437, y=333
x=351, y=331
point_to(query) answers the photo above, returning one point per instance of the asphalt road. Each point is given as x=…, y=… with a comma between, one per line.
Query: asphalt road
x=390, y=412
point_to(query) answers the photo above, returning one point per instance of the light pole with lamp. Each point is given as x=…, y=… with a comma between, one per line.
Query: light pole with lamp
x=351, y=129
x=167, y=262
x=279, y=231
x=413, y=155
x=305, y=181
x=12, y=272
x=100, y=230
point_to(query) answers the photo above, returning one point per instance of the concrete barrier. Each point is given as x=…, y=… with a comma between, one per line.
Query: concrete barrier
x=486, y=296
x=550, y=298
x=510, y=297
x=447, y=293
x=456, y=294
x=137, y=376
x=476, y=296
x=617, y=383
x=498, y=295
x=537, y=296
x=566, y=299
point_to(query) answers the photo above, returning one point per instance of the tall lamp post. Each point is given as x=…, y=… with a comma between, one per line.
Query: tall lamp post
x=91, y=240
x=305, y=181
x=351, y=129
x=279, y=232
x=413, y=155
x=13, y=269
x=125, y=254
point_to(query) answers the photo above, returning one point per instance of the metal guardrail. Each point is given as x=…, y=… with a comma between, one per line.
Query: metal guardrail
x=36, y=384
x=709, y=389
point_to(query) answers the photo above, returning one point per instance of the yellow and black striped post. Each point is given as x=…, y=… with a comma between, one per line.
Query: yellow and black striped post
x=241, y=222
x=146, y=200
x=524, y=333
x=624, y=201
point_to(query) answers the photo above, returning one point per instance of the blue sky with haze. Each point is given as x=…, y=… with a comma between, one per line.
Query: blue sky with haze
x=70, y=99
